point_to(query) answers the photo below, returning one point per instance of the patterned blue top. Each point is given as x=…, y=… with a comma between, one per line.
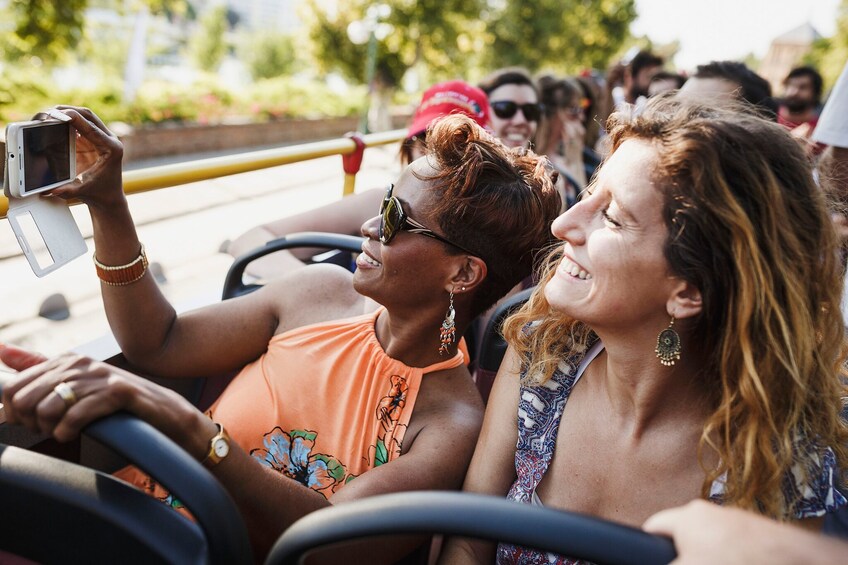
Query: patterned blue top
x=540, y=408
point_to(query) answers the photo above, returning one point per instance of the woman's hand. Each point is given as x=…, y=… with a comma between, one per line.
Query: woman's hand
x=99, y=153
x=704, y=532
x=573, y=134
x=61, y=396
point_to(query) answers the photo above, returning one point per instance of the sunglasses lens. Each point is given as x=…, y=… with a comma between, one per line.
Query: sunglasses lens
x=532, y=112
x=504, y=109
x=390, y=220
x=386, y=198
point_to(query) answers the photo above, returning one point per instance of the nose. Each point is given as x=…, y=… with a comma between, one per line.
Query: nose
x=573, y=225
x=519, y=117
x=371, y=228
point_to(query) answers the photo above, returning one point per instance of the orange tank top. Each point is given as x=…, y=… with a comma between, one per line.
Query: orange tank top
x=324, y=404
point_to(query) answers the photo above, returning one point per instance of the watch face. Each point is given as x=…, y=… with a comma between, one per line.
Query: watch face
x=221, y=447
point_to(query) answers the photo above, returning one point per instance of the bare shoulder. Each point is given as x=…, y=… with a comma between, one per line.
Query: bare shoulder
x=448, y=403
x=314, y=294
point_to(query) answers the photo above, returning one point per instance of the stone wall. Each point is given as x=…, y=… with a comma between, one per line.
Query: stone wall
x=166, y=141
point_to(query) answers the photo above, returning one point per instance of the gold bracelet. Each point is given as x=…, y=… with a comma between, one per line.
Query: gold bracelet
x=122, y=275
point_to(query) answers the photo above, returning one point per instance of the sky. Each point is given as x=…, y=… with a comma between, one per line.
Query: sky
x=727, y=29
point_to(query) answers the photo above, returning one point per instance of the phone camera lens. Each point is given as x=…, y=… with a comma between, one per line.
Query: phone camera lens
x=11, y=155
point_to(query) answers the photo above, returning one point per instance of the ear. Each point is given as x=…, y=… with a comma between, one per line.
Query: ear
x=685, y=300
x=470, y=271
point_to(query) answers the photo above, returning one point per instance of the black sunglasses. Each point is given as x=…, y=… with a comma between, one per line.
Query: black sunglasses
x=393, y=220
x=505, y=109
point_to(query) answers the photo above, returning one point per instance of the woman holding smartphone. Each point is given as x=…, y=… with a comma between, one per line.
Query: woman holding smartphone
x=334, y=400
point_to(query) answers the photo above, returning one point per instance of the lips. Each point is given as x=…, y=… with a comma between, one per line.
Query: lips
x=365, y=259
x=374, y=263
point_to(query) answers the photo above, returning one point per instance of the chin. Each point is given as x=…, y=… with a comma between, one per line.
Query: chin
x=359, y=285
x=557, y=299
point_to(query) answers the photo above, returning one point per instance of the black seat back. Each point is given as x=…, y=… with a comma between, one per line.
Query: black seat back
x=492, y=344
x=234, y=284
x=59, y=512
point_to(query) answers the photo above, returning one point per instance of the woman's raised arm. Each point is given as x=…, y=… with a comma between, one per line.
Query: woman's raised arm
x=151, y=335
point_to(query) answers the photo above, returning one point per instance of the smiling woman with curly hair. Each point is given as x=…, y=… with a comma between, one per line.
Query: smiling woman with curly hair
x=686, y=340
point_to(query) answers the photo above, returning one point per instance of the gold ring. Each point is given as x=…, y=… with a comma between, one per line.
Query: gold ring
x=66, y=393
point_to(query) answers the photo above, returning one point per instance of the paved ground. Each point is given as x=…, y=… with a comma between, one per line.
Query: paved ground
x=182, y=229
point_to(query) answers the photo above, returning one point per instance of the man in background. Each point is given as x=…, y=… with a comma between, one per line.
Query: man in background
x=731, y=79
x=802, y=90
x=664, y=81
x=638, y=75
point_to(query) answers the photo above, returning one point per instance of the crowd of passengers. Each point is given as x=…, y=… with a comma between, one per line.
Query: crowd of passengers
x=684, y=340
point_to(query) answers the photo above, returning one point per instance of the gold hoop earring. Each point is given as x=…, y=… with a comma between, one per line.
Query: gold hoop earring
x=447, y=333
x=668, y=345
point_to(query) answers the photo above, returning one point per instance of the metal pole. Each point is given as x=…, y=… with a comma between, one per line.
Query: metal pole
x=370, y=64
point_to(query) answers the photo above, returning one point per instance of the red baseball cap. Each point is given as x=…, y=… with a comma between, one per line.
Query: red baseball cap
x=452, y=97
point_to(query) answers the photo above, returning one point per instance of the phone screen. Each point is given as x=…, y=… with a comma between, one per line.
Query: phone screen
x=46, y=155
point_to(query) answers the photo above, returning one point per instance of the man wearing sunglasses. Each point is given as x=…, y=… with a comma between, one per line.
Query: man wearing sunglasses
x=515, y=106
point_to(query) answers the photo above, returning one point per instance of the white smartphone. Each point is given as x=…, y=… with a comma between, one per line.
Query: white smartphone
x=40, y=155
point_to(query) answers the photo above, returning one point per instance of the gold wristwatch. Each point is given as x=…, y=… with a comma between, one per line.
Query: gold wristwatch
x=219, y=447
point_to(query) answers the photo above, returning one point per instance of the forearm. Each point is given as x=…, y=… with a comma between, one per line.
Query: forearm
x=463, y=551
x=250, y=240
x=492, y=469
x=139, y=315
x=269, y=501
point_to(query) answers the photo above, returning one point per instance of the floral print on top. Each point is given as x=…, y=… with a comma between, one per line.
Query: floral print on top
x=291, y=454
x=540, y=408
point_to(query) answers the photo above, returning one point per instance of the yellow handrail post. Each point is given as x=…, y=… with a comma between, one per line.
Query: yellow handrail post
x=352, y=162
x=349, y=184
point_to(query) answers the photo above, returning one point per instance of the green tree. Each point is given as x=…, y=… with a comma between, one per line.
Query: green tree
x=44, y=30
x=457, y=38
x=562, y=35
x=829, y=54
x=48, y=31
x=269, y=55
x=208, y=46
x=437, y=34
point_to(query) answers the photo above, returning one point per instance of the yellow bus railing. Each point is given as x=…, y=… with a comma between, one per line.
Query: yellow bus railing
x=154, y=178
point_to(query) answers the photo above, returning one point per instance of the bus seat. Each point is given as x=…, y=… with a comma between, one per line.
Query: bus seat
x=56, y=511
x=472, y=515
x=234, y=284
x=492, y=346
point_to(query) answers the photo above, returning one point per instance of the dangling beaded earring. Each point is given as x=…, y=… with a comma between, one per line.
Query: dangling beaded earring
x=447, y=334
x=668, y=345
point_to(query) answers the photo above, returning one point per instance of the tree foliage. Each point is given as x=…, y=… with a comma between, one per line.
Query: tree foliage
x=49, y=30
x=452, y=38
x=44, y=29
x=208, y=46
x=563, y=35
x=269, y=55
x=829, y=55
x=436, y=33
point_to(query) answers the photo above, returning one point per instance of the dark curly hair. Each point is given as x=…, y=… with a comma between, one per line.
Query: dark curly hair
x=497, y=201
